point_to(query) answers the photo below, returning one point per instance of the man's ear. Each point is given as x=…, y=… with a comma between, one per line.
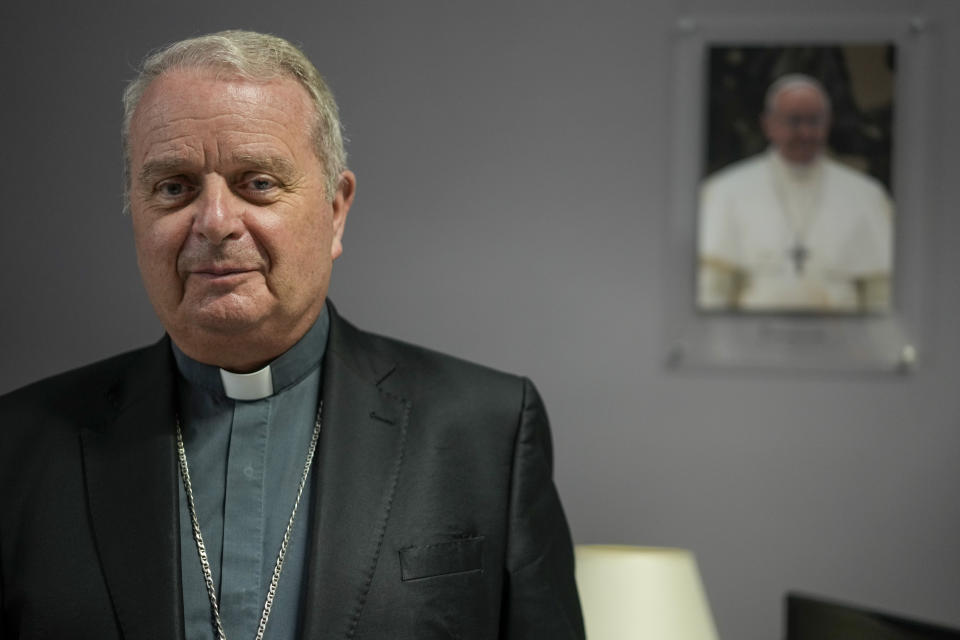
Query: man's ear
x=342, y=199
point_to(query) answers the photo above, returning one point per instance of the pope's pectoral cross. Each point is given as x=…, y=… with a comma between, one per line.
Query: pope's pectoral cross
x=799, y=254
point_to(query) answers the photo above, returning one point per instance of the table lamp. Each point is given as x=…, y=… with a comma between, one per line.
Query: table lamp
x=642, y=593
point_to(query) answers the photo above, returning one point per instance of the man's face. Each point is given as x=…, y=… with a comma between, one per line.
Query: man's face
x=798, y=124
x=235, y=238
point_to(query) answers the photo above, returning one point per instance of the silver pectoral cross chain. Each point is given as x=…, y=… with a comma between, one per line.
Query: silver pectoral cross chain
x=201, y=548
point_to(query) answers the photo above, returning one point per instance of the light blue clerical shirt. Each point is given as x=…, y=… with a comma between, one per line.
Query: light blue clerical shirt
x=246, y=458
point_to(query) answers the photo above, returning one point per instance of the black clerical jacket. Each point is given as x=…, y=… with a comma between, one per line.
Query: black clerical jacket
x=434, y=511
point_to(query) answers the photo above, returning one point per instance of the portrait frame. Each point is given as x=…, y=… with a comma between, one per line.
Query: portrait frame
x=861, y=342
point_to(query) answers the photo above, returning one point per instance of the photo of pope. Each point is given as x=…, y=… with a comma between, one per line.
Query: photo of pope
x=791, y=229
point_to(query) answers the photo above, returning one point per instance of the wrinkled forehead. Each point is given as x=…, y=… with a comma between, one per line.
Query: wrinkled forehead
x=205, y=89
x=201, y=118
x=181, y=100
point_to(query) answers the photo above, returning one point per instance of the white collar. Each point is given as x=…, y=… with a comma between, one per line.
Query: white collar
x=247, y=386
x=797, y=173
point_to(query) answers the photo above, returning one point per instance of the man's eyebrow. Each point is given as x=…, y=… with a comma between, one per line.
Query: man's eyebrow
x=277, y=165
x=157, y=167
x=170, y=165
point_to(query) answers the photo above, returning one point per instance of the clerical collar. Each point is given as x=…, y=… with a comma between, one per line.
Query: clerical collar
x=247, y=386
x=797, y=172
x=283, y=372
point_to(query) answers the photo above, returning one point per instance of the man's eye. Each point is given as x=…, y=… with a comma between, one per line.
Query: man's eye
x=261, y=183
x=172, y=188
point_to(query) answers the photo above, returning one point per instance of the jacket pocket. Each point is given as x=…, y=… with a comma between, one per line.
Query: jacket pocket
x=441, y=558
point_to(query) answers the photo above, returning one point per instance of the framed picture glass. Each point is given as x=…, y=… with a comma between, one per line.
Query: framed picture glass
x=795, y=223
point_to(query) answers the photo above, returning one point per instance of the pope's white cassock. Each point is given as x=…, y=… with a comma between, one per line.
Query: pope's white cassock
x=781, y=237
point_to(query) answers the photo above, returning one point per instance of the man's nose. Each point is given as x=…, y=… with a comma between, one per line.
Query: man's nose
x=219, y=212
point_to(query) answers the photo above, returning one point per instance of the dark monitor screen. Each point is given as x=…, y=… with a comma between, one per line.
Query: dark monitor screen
x=811, y=618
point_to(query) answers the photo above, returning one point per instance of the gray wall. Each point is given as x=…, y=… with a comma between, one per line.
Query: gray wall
x=512, y=187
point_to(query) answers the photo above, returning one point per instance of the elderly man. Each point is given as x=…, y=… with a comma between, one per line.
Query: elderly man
x=267, y=469
x=791, y=229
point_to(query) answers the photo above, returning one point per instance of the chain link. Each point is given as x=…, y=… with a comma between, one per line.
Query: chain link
x=202, y=549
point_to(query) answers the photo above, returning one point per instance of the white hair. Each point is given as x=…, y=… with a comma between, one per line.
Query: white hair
x=793, y=81
x=252, y=56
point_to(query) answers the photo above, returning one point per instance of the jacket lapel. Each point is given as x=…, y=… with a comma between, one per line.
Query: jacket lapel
x=361, y=451
x=130, y=467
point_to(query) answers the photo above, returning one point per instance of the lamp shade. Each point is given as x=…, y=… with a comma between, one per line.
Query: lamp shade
x=642, y=593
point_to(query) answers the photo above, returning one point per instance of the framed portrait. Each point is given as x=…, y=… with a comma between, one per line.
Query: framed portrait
x=796, y=224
